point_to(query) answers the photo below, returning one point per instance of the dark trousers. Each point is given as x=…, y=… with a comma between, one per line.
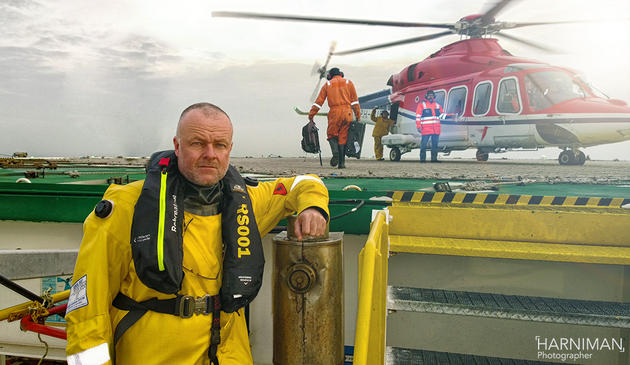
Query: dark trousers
x=434, y=146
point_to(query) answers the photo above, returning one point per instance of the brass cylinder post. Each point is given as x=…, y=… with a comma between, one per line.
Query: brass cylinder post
x=308, y=299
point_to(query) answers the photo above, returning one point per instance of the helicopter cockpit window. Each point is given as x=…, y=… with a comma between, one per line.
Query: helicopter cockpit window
x=456, y=102
x=508, y=101
x=590, y=87
x=550, y=88
x=481, y=101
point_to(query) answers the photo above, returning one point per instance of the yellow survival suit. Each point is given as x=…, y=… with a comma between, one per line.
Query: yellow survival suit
x=105, y=267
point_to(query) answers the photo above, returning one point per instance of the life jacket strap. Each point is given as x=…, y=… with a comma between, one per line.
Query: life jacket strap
x=215, y=331
x=183, y=306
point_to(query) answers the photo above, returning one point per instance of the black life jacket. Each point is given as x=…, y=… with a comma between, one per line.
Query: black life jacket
x=157, y=228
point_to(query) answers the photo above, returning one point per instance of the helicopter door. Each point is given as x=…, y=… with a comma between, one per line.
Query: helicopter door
x=393, y=115
x=454, y=132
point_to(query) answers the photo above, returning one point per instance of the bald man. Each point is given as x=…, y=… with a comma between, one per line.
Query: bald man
x=167, y=264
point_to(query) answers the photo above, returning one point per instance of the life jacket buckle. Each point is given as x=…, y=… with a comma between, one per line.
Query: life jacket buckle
x=189, y=305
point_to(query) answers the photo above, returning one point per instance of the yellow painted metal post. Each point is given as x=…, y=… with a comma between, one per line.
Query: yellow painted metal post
x=369, y=343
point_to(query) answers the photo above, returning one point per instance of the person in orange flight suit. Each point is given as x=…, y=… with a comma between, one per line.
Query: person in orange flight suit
x=343, y=101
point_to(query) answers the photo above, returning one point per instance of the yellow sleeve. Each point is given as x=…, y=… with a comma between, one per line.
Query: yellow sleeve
x=103, y=261
x=274, y=200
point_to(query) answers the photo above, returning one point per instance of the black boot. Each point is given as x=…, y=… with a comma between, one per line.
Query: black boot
x=434, y=156
x=334, y=147
x=342, y=156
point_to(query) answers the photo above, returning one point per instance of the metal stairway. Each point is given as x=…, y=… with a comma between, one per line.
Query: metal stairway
x=570, y=235
x=517, y=307
x=401, y=356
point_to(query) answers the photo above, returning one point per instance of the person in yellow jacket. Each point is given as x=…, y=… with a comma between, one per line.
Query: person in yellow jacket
x=382, y=126
x=106, y=270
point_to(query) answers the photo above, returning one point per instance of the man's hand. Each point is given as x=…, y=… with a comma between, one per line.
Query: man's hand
x=311, y=223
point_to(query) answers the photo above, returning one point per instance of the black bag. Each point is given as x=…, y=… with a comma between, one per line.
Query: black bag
x=310, y=138
x=354, y=145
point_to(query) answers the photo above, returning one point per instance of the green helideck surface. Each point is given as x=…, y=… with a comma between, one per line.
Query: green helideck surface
x=58, y=197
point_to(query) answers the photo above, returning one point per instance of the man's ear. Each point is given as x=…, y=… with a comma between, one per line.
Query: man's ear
x=176, y=145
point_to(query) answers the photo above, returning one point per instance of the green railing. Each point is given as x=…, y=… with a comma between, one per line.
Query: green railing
x=369, y=339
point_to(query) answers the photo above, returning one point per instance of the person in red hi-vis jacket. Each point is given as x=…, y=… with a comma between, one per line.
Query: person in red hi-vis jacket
x=343, y=101
x=428, y=123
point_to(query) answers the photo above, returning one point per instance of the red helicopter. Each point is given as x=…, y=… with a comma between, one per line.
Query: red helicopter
x=493, y=101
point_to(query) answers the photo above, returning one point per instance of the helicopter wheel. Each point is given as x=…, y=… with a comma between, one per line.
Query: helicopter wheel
x=394, y=154
x=482, y=155
x=567, y=157
x=580, y=158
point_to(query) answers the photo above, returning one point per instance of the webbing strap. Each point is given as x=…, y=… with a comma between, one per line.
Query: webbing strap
x=127, y=321
x=176, y=306
x=215, y=332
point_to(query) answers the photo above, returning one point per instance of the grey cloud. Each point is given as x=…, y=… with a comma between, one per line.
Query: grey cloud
x=20, y=4
x=217, y=55
x=13, y=13
x=9, y=18
x=138, y=55
x=60, y=41
x=16, y=60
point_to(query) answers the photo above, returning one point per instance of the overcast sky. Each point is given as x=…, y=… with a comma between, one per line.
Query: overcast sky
x=110, y=78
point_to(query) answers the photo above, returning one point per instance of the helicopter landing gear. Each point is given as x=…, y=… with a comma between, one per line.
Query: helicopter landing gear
x=566, y=157
x=482, y=155
x=394, y=154
x=571, y=157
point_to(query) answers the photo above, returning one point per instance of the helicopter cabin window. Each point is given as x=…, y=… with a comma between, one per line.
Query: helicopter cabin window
x=411, y=70
x=508, y=100
x=440, y=95
x=481, y=99
x=456, y=102
x=547, y=88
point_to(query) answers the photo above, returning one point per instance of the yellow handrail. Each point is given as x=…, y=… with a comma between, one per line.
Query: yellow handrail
x=369, y=342
x=18, y=311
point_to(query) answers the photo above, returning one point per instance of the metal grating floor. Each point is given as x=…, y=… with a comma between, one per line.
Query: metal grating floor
x=401, y=356
x=536, y=309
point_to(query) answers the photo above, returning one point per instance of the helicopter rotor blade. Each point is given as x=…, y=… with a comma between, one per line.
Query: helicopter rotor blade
x=323, y=69
x=489, y=15
x=509, y=25
x=528, y=43
x=316, y=67
x=316, y=91
x=397, y=43
x=238, y=14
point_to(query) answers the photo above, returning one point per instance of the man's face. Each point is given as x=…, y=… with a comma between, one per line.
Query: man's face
x=430, y=97
x=385, y=114
x=203, y=146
